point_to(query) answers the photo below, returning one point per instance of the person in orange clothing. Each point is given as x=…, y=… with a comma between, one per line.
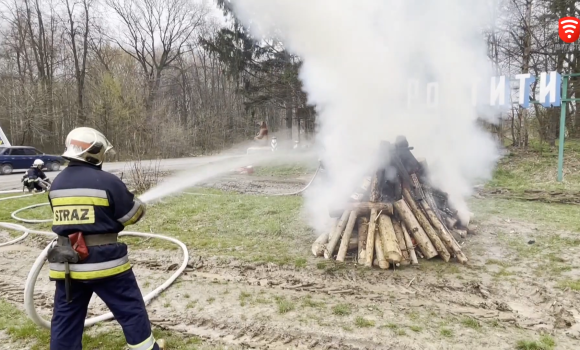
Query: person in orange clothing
x=262, y=135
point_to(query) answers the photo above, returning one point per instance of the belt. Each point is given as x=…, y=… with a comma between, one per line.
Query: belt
x=93, y=240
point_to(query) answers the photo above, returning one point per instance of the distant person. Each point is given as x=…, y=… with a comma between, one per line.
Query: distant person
x=34, y=175
x=262, y=135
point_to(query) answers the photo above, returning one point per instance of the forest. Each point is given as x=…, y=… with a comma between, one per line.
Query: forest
x=182, y=77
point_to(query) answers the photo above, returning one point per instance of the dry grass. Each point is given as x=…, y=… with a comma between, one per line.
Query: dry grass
x=537, y=169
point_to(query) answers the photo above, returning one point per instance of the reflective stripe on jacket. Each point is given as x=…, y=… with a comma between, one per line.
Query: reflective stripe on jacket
x=86, y=199
x=90, y=271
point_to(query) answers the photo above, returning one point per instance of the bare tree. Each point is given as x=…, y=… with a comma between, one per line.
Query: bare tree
x=74, y=30
x=156, y=32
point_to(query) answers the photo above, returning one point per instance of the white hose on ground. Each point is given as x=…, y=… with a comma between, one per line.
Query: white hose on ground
x=15, y=197
x=46, y=185
x=37, y=266
x=303, y=189
x=30, y=221
x=10, y=191
x=21, y=196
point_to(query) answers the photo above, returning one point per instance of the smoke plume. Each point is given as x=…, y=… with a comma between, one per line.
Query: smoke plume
x=359, y=57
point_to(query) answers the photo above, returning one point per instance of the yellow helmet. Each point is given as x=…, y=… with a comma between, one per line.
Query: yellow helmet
x=87, y=145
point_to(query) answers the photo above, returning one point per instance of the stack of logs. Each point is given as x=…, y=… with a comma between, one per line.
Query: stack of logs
x=394, y=217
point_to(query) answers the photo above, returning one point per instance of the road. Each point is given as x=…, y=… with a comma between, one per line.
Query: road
x=12, y=181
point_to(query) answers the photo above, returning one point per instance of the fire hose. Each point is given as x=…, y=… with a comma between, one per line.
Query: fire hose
x=37, y=266
x=39, y=262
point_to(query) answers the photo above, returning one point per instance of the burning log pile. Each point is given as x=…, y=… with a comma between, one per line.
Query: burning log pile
x=395, y=217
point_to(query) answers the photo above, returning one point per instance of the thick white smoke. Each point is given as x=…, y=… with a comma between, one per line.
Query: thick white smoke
x=359, y=56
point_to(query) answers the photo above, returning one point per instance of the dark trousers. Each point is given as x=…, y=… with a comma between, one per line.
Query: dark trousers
x=122, y=296
x=33, y=186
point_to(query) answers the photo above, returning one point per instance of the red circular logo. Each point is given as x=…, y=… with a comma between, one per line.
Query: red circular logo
x=569, y=29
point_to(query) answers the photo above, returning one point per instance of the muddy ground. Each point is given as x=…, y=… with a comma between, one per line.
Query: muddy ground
x=507, y=292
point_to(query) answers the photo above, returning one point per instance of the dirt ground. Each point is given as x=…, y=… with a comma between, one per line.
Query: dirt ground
x=508, y=291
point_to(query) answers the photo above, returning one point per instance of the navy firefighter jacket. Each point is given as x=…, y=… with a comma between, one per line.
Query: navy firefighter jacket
x=87, y=199
x=35, y=173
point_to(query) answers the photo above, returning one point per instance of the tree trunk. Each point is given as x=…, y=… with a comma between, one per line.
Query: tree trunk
x=414, y=229
x=446, y=237
x=426, y=225
x=289, y=116
x=391, y=249
x=375, y=194
x=363, y=230
x=346, y=237
x=410, y=246
x=333, y=240
x=320, y=243
x=363, y=209
x=381, y=260
x=371, y=238
x=401, y=240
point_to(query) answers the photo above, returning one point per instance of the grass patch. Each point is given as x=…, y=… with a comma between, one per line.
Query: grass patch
x=497, y=262
x=245, y=227
x=249, y=228
x=416, y=329
x=503, y=273
x=446, y=332
x=362, y=322
x=341, y=309
x=308, y=302
x=44, y=212
x=21, y=329
x=284, y=306
x=285, y=169
x=546, y=342
x=549, y=216
x=546, y=246
x=300, y=262
x=471, y=323
x=536, y=169
x=244, y=297
x=572, y=284
x=414, y=315
x=392, y=326
x=262, y=300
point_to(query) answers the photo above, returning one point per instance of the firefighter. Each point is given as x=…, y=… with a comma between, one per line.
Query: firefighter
x=32, y=179
x=90, y=207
